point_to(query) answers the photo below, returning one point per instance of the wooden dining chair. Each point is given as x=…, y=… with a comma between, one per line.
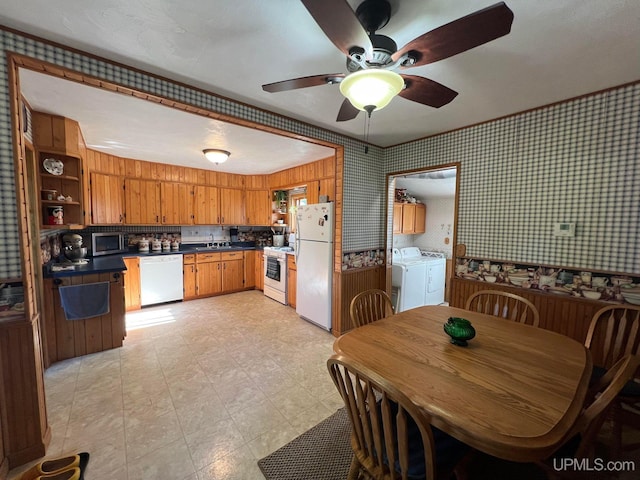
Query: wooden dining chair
x=579, y=442
x=391, y=438
x=614, y=332
x=369, y=306
x=504, y=305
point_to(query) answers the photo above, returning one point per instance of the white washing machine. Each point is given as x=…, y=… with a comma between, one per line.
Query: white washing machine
x=417, y=278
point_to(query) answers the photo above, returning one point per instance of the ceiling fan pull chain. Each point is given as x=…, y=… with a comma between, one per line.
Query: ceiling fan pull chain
x=367, y=126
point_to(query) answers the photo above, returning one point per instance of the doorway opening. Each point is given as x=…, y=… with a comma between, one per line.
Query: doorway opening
x=422, y=213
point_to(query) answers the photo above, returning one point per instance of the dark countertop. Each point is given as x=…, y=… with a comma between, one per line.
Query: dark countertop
x=108, y=263
x=189, y=250
x=114, y=263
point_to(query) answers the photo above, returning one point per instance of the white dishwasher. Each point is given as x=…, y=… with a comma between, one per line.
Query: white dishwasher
x=160, y=279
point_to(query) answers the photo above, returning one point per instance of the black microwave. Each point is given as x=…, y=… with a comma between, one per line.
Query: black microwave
x=107, y=243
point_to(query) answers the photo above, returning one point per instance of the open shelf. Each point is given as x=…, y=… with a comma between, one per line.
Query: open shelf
x=68, y=184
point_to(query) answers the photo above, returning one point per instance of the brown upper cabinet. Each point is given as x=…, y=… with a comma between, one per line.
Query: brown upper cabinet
x=207, y=205
x=231, y=206
x=60, y=168
x=56, y=134
x=103, y=189
x=142, y=201
x=176, y=203
x=397, y=218
x=107, y=199
x=409, y=217
x=257, y=207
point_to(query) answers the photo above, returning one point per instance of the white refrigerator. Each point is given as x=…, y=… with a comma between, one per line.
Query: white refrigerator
x=314, y=260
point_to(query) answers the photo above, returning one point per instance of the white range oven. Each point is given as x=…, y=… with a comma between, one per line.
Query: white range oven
x=275, y=273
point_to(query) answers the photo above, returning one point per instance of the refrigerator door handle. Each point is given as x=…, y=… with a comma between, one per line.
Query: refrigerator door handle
x=297, y=248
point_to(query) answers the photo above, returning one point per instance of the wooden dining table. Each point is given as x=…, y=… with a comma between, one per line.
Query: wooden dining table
x=514, y=392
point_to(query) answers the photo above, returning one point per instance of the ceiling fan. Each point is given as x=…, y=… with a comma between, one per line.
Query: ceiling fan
x=354, y=33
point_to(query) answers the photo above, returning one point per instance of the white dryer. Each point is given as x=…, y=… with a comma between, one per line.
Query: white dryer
x=417, y=277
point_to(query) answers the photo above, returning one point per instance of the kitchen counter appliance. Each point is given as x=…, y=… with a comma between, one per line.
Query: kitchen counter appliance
x=161, y=279
x=107, y=243
x=275, y=273
x=314, y=259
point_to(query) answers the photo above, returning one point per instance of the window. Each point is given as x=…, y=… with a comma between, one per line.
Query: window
x=295, y=200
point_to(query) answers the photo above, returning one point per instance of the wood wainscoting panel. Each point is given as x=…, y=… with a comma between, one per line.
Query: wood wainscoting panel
x=25, y=427
x=564, y=314
x=349, y=284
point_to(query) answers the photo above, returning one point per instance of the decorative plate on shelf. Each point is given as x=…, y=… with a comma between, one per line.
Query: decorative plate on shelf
x=53, y=166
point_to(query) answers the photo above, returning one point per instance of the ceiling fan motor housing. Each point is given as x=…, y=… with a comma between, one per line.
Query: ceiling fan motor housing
x=383, y=48
x=373, y=14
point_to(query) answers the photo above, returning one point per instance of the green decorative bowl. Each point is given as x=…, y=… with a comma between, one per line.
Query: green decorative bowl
x=460, y=330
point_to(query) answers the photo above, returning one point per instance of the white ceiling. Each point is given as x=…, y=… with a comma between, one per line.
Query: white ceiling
x=129, y=127
x=430, y=184
x=556, y=50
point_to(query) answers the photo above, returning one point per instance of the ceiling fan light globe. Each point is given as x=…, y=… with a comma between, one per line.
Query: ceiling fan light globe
x=371, y=87
x=215, y=155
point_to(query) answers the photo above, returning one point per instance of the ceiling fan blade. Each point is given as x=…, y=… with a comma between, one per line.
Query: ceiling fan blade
x=347, y=111
x=427, y=92
x=303, y=82
x=340, y=24
x=459, y=36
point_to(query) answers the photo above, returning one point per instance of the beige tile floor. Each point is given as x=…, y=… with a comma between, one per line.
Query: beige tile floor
x=200, y=391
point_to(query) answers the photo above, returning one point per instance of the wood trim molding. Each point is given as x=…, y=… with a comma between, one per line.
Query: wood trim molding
x=41, y=66
x=23, y=61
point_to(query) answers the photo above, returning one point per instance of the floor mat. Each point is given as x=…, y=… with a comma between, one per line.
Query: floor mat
x=321, y=453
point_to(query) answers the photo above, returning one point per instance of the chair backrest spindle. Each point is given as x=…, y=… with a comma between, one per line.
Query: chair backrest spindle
x=614, y=333
x=369, y=306
x=504, y=305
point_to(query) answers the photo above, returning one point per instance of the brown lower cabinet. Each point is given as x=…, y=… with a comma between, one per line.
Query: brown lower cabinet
x=292, y=279
x=208, y=274
x=73, y=338
x=218, y=272
x=259, y=270
x=132, y=300
x=232, y=271
x=189, y=276
x=250, y=268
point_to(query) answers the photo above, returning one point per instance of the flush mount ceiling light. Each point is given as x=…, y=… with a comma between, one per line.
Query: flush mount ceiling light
x=371, y=89
x=215, y=155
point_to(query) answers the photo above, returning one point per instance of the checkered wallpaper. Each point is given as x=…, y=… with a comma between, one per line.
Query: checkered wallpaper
x=360, y=167
x=573, y=162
